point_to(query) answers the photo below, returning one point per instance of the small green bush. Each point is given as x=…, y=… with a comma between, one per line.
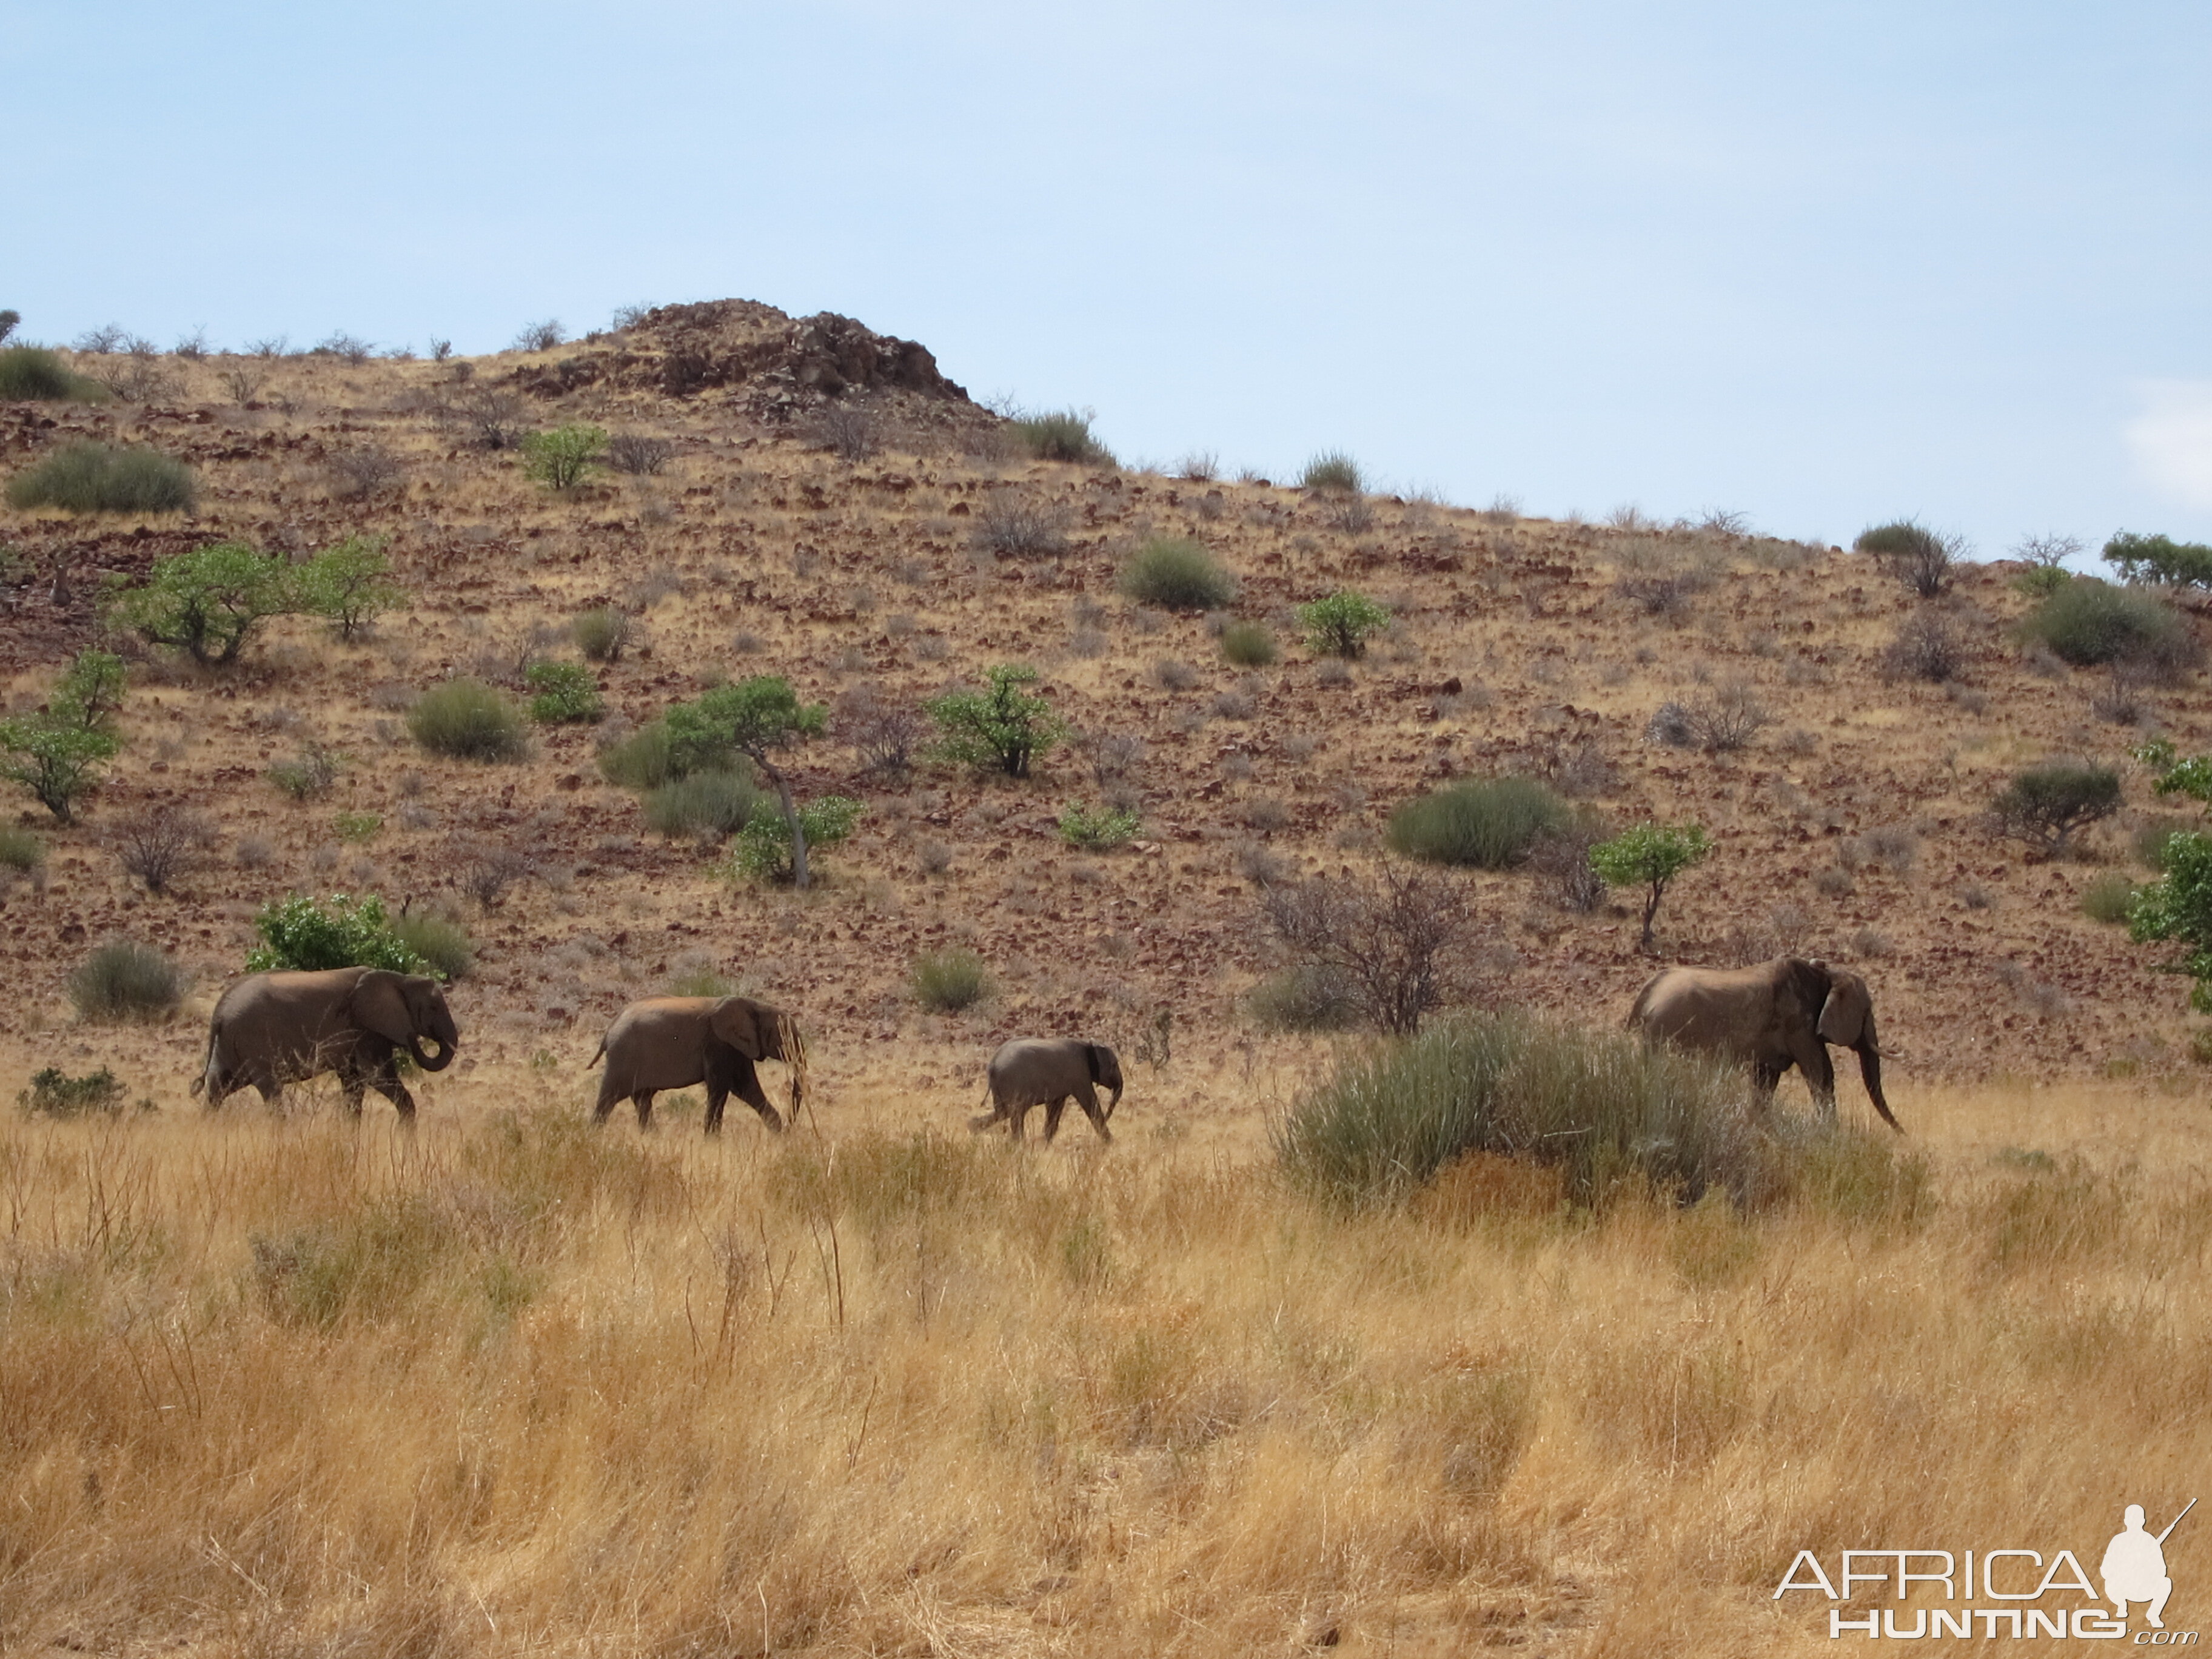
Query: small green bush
x=306, y=935
x=125, y=980
x=1247, y=645
x=1650, y=856
x=1177, y=574
x=602, y=635
x=567, y=693
x=946, y=982
x=2041, y=581
x=1338, y=626
x=762, y=850
x=19, y=850
x=309, y=775
x=703, y=804
x=32, y=372
x=466, y=720
x=2089, y=623
x=438, y=940
x=1062, y=435
x=560, y=459
x=89, y=477
x=54, y=1093
x=55, y=757
x=644, y=760
x=2108, y=898
x=208, y=602
x=1309, y=997
x=2045, y=805
x=1002, y=728
x=1491, y=823
x=2160, y=559
x=1096, y=830
x=1333, y=471
x=358, y=827
x=351, y=584
x=1619, y=1116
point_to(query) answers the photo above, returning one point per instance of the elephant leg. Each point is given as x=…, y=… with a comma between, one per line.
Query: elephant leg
x=271, y=1091
x=386, y=1083
x=609, y=1094
x=1052, y=1111
x=643, y=1101
x=1812, y=1057
x=1087, y=1098
x=749, y=1091
x=1017, y=1121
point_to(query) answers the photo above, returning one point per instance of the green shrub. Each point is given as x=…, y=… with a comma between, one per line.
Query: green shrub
x=19, y=850
x=1309, y=997
x=1177, y=574
x=640, y=761
x=358, y=827
x=762, y=850
x=54, y=1093
x=1247, y=645
x=1333, y=471
x=309, y=775
x=208, y=602
x=304, y=934
x=703, y=804
x=124, y=980
x=2109, y=897
x=1338, y=626
x=2089, y=623
x=602, y=635
x=2042, y=580
x=1062, y=435
x=946, y=982
x=2045, y=805
x=1617, y=1116
x=1489, y=822
x=89, y=477
x=438, y=940
x=1650, y=856
x=351, y=584
x=567, y=693
x=560, y=459
x=2160, y=559
x=1099, y=830
x=1003, y=729
x=53, y=757
x=466, y=720
x=32, y=372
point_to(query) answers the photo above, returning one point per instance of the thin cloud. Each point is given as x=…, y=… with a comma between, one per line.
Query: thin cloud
x=2172, y=439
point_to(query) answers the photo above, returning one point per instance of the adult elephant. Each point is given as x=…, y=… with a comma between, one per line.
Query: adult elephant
x=1778, y=1014
x=672, y=1042
x=270, y=1029
x=1048, y=1072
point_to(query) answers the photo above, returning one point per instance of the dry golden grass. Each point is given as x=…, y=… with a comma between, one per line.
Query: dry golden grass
x=509, y=1385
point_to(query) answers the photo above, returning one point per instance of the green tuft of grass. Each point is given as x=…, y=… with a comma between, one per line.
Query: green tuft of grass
x=1333, y=471
x=2108, y=898
x=564, y=693
x=124, y=980
x=1177, y=573
x=602, y=635
x=946, y=982
x=32, y=372
x=438, y=940
x=1061, y=435
x=466, y=720
x=704, y=804
x=90, y=477
x=1491, y=823
x=1247, y=645
x=19, y=850
x=1096, y=830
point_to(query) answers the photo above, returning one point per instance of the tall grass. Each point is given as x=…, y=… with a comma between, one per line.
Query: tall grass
x=90, y=477
x=1177, y=574
x=1060, y=435
x=703, y=804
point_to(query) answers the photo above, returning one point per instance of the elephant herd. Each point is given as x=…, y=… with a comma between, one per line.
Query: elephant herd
x=275, y=1029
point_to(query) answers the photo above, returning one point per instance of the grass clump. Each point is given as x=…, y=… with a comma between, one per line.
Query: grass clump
x=1060, y=436
x=1177, y=573
x=1615, y=1114
x=2108, y=898
x=643, y=760
x=946, y=982
x=466, y=720
x=32, y=372
x=124, y=980
x=603, y=635
x=704, y=804
x=19, y=850
x=1247, y=645
x=1334, y=471
x=90, y=477
x=54, y=1093
x=1096, y=830
x=1309, y=997
x=2089, y=623
x=438, y=940
x=1491, y=823
x=563, y=693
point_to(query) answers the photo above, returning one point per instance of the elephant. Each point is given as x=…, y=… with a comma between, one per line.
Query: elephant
x=672, y=1042
x=274, y=1029
x=1044, y=1071
x=1770, y=1016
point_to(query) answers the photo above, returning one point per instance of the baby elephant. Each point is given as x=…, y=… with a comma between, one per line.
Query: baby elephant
x=1044, y=1071
x=672, y=1042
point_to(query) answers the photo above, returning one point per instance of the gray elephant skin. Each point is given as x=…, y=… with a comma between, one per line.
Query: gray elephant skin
x=672, y=1042
x=274, y=1029
x=1048, y=1072
x=1770, y=1016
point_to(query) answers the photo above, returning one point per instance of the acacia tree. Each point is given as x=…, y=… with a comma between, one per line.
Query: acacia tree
x=1003, y=729
x=2178, y=905
x=208, y=601
x=758, y=718
x=56, y=753
x=1650, y=856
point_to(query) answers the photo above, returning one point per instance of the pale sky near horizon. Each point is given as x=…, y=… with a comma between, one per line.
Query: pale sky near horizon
x=1826, y=265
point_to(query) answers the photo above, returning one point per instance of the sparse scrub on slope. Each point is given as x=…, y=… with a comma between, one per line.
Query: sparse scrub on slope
x=1175, y=573
x=93, y=478
x=467, y=720
x=1490, y=823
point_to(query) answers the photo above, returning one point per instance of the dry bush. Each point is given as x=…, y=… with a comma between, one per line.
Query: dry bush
x=1013, y=526
x=1928, y=647
x=1395, y=942
x=161, y=844
x=639, y=455
x=1721, y=724
x=850, y=434
x=355, y=474
x=486, y=871
x=885, y=734
x=488, y=416
x=1560, y=861
x=1666, y=594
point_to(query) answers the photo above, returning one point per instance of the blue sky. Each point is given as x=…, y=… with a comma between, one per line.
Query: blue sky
x=1823, y=263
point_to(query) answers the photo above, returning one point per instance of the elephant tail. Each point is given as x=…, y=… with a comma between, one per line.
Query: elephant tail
x=598, y=1055
x=204, y=1083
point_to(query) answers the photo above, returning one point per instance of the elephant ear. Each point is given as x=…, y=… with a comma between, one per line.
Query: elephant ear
x=380, y=1005
x=1845, y=1014
x=737, y=1022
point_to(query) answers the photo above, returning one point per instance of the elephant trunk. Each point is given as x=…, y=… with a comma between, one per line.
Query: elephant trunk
x=1870, y=1072
x=445, y=1053
x=1114, y=1099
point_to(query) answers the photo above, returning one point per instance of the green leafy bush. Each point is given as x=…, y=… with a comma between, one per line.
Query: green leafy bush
x=1310, y=996
x=565, y=693
x=305, y=935
x=1003, y=729
x=466, y=720
x=55, y=761
x=89, y=477
x=2109, y=897
x=2089, y=623
x=1340, y=625
x=1616, y=1115
x=1916, y=555
x=1491, y=823
x=1096, y=830
x=32, y=372
x=946, y=982
x=1177, y=574
x=703, y=804
x=54, y=1093
x=2160, y=559
x=125, y=980
x=1062, y=435
x=2179, y=906
x=762, y=850
x=2041, y=581
x=438, y=940
x=351, y=584
x=602, y=635
x=19, y=850
x=1333, y=471
x=1247, y=645
x=2045, y=805
x=208, y=602
x=560, y=459
x=1650, y=856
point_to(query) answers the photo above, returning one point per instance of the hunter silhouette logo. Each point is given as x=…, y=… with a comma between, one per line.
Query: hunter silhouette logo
x=2133, y=1570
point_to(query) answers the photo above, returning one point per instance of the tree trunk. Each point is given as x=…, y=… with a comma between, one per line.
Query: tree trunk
x=799, y=877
